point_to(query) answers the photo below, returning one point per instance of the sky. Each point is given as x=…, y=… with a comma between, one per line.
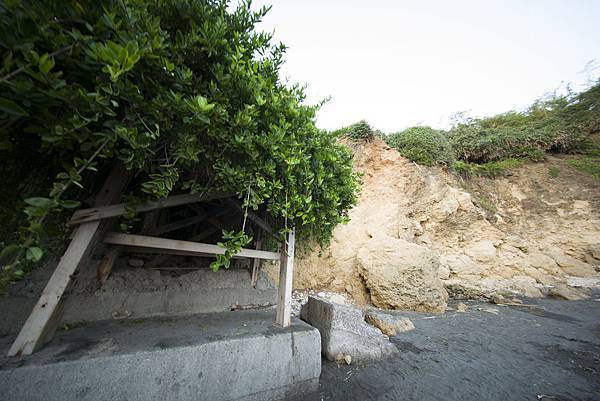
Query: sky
x=402, y=63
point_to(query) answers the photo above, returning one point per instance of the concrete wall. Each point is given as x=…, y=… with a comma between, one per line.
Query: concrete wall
x=140, y=293
x=238, y=356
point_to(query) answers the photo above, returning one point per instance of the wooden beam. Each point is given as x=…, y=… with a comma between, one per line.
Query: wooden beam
x=256, y=262
x=44, y=317
x=286, y=274
x=104, y=212
x=185, y=246
x=177, y=225
x=205, y=233
x=107, y=263
x=255, y=218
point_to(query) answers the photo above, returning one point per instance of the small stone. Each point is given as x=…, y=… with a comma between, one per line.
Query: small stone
x=461, y=308
x=348, y=359
x=135, y=262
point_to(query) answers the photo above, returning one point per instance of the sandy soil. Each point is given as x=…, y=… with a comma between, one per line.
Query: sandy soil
x=542, y=350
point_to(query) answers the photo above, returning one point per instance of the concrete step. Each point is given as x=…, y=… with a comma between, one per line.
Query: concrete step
x=238, y=355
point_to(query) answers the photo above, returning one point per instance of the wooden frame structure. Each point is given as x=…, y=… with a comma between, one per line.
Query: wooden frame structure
x=45, y=316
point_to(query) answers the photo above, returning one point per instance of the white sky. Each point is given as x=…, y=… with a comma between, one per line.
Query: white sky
x=403, y=63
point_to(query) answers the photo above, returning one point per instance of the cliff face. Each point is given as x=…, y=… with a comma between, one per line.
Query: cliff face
x=418, y=232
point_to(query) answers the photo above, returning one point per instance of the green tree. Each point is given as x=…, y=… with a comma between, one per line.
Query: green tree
x=186, y=93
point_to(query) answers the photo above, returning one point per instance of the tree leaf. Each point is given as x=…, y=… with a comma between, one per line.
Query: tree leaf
x=34, y=254
x=70, y=204
x=44, y=203
x=10, y=107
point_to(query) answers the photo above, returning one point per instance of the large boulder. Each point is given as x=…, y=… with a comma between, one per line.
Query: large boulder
x=344, y=332
x=401, y=275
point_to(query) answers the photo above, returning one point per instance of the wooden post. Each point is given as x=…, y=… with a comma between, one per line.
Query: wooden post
x=106, y=264
x=286, y=273
x=256, y=262
x=45, y=316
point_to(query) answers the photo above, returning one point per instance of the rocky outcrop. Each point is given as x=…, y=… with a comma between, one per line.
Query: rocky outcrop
x=345, y=336
x=526, y=233
x=401, y=275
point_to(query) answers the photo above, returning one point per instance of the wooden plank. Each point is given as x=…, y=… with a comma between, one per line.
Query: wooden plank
x=104, y=212
x=107, y=263
x=156, y=251
x=286, y=274
x=143, y=241
x=44, y=317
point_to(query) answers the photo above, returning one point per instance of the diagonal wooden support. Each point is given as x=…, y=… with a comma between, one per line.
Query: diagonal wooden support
x=286, y=273
x=107, y=211
x=45, y=316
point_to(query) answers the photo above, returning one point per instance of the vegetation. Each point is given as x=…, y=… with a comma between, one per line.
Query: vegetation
x=360, y=131
x=423, y=145
x=589, y=159
x=553, y=171
x=489, y=146
x=185, y=93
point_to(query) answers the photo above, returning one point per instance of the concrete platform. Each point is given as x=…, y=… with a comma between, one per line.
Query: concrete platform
x=238, y=355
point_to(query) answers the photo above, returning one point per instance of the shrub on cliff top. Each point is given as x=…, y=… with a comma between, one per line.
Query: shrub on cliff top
x=423, y=145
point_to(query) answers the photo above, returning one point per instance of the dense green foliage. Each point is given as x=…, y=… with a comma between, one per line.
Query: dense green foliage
x=555, y=124
x=489, y=146
x=423, y=145
x=184, y=92
x=359, y=131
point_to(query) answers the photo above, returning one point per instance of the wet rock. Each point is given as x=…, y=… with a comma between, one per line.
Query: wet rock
x=389, y=324
x=401, y=275
x=462, y=307
x=344, y=332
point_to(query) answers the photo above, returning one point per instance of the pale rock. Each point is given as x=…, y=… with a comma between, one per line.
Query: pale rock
x=482, y=251
x=545, y=262
x=583, y=282
x=526, y=286
x=444, y=272
x=572, y=266
x=461, y=264
x=461, y=307
x=401, y=275
x=389, y=324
